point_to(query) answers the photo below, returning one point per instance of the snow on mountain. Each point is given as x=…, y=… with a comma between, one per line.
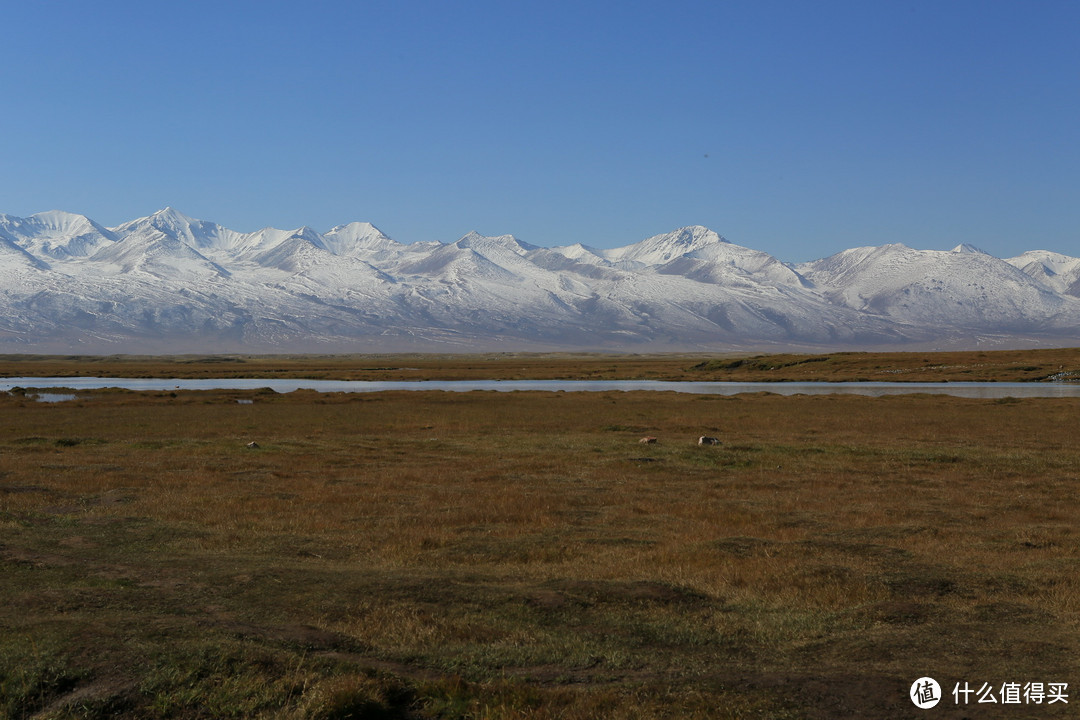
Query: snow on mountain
x=197, y=234
x=964, y=291
x=497, y=244
x=56, y=234
x=169, y=281
x=287, y=251
x=156, y=253
x=1060, y=272
x=725, y=264
x=14, y=257
x=968, y=248
x=360, y=239
x=569, y=269
x=584, y=253
x=661, y=249
x=474, y=256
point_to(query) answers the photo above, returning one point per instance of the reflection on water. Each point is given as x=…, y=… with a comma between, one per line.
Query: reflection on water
x=961, y=389
x=54, y=397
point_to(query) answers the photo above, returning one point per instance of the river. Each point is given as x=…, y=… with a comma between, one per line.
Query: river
x=989, y=390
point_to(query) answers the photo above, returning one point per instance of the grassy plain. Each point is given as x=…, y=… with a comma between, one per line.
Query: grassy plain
x=521, y=555
x=987, y=366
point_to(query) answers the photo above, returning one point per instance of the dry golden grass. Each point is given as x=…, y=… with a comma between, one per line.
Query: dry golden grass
x=520, y=555
x=1006, y=365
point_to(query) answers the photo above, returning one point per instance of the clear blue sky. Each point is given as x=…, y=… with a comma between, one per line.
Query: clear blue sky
x=799, y=128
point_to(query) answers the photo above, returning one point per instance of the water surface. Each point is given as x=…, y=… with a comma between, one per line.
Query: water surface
x=51, y=397
x=989, y=390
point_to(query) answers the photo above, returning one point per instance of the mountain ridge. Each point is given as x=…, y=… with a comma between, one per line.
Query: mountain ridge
x=169, y=281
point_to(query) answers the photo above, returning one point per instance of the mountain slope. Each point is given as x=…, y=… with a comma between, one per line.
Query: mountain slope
x=961, y=291
x=169, y=282
x=56, y=234
x=1060, y=272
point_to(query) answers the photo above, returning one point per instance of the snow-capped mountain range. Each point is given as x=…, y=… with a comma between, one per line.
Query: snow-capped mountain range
x=170, y=283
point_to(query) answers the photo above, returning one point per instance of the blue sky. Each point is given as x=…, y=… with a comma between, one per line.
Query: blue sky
x=798, y=128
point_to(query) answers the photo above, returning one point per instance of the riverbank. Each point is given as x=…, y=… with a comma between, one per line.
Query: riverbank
x=974, y=366
x=72, y=387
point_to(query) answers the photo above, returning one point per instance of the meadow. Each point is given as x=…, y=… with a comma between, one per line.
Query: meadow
x=522, y=555
x=984, y=366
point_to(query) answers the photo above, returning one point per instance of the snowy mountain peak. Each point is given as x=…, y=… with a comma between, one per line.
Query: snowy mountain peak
x=661, y=249
x=59, y=221
x=697, y=235
x=172, y=281
x=1060, y=272
x=687, y=239
x=357, y=238
x=169, y=213
x=476, y=241
x=283, y=241
x=968, y=248
x=45, y=224
x=307, y=233
x=57, y=234
x=470, y=238
x=198, y=234
x=577, y=251
x=168, y=220
x=355, y=231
